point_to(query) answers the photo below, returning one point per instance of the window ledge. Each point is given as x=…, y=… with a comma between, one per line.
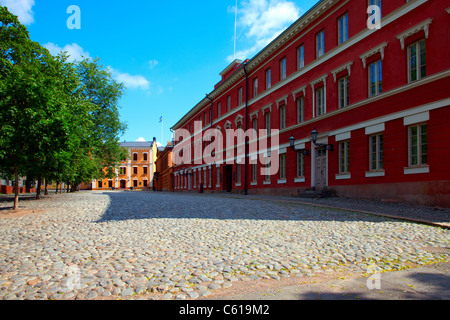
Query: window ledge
x=267, y=182
x=281, y=181
x=300, y=179
x=343, y=176
x=370, y=174
x=417, y=170
x=253, y=183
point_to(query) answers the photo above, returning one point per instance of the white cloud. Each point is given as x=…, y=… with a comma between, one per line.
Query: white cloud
x=21, y=8
x=130, y=81
x=262, y=21
x=153, y=63
x=75, y=52
x=141, y=140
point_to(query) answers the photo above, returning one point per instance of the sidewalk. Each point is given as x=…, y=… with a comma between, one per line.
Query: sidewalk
x=438, y=217
x=424, y=283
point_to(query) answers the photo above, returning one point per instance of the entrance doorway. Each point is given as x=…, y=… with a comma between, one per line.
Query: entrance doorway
x=321, y=169
x=123, y=184
x=228, y=178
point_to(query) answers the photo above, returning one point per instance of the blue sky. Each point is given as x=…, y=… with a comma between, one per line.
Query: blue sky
x=167, y=53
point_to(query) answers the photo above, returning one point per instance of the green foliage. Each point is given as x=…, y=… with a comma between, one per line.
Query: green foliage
x=58, y=120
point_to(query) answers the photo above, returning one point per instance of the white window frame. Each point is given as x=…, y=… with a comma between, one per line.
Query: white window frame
x=255, y=87
x=344, y=156
x=283, y=69
x=268, y=78
x=301, y=57
x=343, y=92
x=320, y=44
x=418, y=61
x=300, y=110
x=378, y=69
x=343, y=34
x=379, y=152
x=320, y=101
x=283, y=117
x=419, y=146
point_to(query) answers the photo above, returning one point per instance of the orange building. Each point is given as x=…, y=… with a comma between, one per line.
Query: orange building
x=164, y=169
x=135, y=173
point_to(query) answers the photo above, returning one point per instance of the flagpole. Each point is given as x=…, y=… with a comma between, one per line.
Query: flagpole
x=162, y=131
x=235, y=29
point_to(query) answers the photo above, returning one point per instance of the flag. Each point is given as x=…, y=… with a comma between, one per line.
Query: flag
x=161, y=119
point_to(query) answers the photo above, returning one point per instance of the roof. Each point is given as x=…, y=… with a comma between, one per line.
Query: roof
x=137, y=144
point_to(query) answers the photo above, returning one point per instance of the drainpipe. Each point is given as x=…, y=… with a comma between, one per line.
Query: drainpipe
x=246, y=128
x=211, y=126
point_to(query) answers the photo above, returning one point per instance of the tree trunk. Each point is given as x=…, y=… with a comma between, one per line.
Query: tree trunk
x=16, y=188
x=46, y=187
x=38, y=190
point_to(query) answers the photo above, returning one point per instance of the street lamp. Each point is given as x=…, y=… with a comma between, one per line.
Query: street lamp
x=314, y=136
x=292, y=144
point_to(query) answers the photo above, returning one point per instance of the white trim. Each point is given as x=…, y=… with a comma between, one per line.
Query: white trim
x=281, y=181
x=279, y=101
x=416, y=118
x=375, y=129
x=417, y=170
x=378, y=49
x=301, y=89
x=344, y=176
x=371, y=174
x=394, y=116
x=253, y=183
x=347, y=66
x=282, y=151
x=343, y=136
x=424, y=25
x=264, y=109
x=299, y=180
x=266, y=182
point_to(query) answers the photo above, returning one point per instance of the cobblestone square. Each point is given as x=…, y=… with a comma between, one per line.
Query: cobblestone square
x=109, y=245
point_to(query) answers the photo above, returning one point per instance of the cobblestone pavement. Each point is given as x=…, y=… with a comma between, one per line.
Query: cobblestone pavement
x=108, y=245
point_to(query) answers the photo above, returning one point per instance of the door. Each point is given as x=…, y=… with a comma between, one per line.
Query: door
x=321, y=169
x=123, y=184
x=228, y=178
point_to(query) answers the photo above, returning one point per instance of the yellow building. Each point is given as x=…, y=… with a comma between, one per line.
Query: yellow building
x=135, y=173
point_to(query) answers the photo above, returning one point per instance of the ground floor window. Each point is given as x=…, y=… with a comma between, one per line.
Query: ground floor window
x=418, y=145
x=376, y=156
x=300, y=164
x=282, y=166
x=344, y=157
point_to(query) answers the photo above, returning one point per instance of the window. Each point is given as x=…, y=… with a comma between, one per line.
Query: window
x=268, y=78
x=110, y=184
x=267, y=119
x=283, y=69
x=239, y=96
x=218, y=110
x=283, y=117
x=255, y=124
x=99, y=184
x=218, y=176
x=228, y=103
x=376, y=152
x=238, y=174
x=135, y=183
x=122, y=170
x=320, y=44
x=320, y=101
x=417, y=61
x=343, y=92
x=254, y=172
x=267, y=176
x=145, y=183
x=195, y=179
x=343, y=29
x=282, y=166
x=375, y=78
x=301, y=57
x=145, y=156
x=145, y=170
x=255, y=87
x=135, y=170
x=418, y=145
x=344, y=157
x=135, y=156
x=204, y=178
x=300, y=164
x=300, y=110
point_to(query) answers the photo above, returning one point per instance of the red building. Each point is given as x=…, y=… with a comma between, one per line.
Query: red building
x=378, y=98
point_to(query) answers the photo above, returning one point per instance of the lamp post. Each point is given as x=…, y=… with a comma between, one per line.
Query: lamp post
x=305, y=152
x=314, y=136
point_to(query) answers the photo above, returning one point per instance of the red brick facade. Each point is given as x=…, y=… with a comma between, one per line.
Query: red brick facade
x=381, y=98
